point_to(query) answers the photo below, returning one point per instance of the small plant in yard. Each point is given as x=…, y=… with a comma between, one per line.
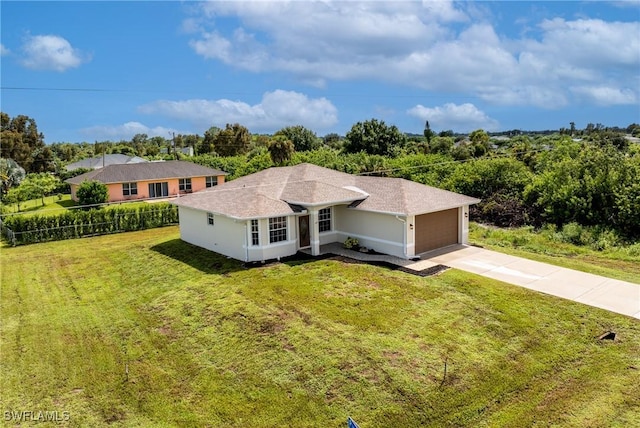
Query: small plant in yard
x=351, y=243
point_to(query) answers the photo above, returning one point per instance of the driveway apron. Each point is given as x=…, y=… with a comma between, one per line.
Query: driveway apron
x=611, y=294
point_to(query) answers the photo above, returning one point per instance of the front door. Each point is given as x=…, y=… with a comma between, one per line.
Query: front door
x=303, y=231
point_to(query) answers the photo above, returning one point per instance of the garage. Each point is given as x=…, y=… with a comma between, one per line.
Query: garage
x=436, y=230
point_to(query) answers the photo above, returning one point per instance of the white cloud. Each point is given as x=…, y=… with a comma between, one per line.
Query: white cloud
x=50, y=52
x=606, y=95
x=3, y=50
x=437, y=46
x=463, y=117
x=126, y=131
x=277, y=109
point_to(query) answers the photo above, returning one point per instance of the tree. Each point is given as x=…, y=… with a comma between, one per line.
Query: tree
x=302, y=138
x=207, y=144
x=233, y=140
x=442, y=145
x=139, y=141
x=40, y=185
x=17, y=195
x=22, y=142
x=428, y=133
x=332, y=139
x=479, y=136
x=280, y=149
x=92, y=193
x=11, y=174
x=374, y=137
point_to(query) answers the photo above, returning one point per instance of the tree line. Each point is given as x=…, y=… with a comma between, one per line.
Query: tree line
x=587, y=177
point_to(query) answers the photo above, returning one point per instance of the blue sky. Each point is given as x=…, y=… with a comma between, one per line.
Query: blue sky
x=92, y=71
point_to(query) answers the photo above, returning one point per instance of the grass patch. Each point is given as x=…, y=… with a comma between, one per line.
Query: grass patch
x=142, y=329
x=51, y=203
x=617, y=262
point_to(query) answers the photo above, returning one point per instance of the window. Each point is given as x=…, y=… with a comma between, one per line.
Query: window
x=324, y=220
x=210, y=219
x=185, y=184
x=211, y=181
x=129, y=189
x=255, y=233
x=277, y=229
x=159, y=190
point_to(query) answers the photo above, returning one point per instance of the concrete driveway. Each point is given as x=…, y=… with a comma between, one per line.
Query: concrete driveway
x=606, y=293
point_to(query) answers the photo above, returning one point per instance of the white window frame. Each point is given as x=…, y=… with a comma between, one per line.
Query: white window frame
x=255, y=233
x=184, y=184
x=211, y=181
x=324, y=220
x=129, y=189
x=210, y=219
x=277, y=229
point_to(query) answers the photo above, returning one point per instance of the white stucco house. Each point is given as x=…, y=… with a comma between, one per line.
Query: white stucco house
x=279, y=211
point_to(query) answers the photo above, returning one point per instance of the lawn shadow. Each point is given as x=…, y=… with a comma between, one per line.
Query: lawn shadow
x=204, y=260
x=66, y=203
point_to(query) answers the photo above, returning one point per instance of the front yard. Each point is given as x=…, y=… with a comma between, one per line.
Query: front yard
x=141, y=329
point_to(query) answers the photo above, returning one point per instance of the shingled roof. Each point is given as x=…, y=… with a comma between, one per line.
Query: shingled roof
x=126, y=173
x=102, y=161
x=271, y=193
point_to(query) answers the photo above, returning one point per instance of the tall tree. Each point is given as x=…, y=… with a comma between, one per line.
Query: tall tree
x=280, y=149
x=374, y=137
x=428, y=133
x=22, y=142
x=302, y=138
x=233, y=140
x=208, y=141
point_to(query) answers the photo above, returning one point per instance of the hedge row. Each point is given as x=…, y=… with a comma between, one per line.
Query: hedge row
x=23, y=229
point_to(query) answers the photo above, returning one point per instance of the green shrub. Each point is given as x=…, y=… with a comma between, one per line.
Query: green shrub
x=571, y=233
x=92, y=193
x=351, y=243
x=78, y=223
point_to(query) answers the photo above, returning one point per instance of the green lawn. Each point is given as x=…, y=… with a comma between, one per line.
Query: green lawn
x=54, y=205
x=51, y=203
x=618, y=262
x=141, y=329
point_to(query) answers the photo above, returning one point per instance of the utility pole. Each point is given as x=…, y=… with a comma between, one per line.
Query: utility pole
x=175, y=154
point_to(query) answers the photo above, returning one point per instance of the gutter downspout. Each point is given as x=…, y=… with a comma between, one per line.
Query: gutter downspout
x=404, y=236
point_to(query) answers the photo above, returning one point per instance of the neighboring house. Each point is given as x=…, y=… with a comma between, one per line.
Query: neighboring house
x=150, y=179
x=278, y=211
x=187, y=151
x=106, y=160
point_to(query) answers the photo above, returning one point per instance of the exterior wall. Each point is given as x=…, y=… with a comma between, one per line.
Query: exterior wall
x=463, y=225
x=115, y=189
x=381, y=232
x=232, y=238
x=226, y=236
x=267, y=251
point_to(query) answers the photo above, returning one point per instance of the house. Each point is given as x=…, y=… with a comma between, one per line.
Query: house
x=278, y=211
x=150, y=179
x=106, y=160
x=187, y=151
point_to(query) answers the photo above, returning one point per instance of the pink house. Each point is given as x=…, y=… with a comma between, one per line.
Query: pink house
x=150, y=180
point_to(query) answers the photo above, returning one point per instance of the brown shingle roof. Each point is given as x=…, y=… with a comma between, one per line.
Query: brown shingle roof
x=268, y=193
x=146, y=171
